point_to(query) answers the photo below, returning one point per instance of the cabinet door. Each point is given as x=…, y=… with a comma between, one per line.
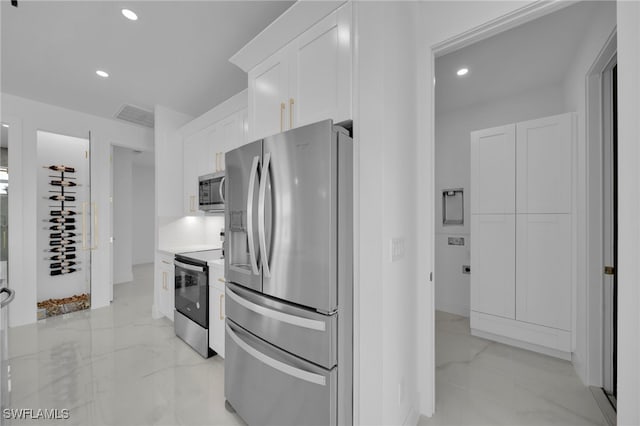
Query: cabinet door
x=166, y=277
x=493, y=264
x=209, y=158
x=267, y=96
x=543, y=270
x=493, y=170
x=320, y=72
x=544, y=165
x=190, y=180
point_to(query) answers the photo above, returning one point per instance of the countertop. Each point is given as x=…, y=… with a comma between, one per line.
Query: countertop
x=186, y=249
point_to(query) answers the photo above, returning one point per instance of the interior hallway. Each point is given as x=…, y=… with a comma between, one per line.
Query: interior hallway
x=116, y=366
x=480, y=382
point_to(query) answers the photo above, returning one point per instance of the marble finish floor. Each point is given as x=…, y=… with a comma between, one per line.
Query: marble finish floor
x=479, y=382
x=116, y=366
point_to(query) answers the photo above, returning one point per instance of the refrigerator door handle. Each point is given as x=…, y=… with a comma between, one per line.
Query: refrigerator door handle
x=261, y=213
x=221, y=189
x=252, y=248
x=10, y=292
x=274, y=363
x=277, y=315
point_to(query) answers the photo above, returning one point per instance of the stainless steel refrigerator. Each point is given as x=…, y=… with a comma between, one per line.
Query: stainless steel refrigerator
x=289, y=273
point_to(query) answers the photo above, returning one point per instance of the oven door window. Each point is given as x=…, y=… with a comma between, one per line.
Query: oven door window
x=191, y=295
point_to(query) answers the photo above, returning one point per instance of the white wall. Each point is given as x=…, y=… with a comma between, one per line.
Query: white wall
x=122, y=215
x=628, y=22
x=384, y=119
x=574, y=89
x=143, y=213
x=452, y=170
x=30, y=116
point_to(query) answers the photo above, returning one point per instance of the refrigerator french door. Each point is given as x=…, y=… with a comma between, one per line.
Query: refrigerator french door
x=289, y=274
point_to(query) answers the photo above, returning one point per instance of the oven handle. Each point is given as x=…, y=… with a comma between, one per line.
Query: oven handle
x=189, y=267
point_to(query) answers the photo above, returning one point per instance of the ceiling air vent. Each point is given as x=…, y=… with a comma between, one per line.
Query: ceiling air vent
x=136, y=115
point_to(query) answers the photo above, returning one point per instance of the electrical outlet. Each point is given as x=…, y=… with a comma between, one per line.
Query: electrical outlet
x=397, y=249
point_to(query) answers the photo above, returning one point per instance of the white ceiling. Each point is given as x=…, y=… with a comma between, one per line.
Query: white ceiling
x=536, y=54
x=176, y=54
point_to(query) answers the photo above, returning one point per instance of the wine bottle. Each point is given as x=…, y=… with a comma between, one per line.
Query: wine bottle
x=62, y=213
x=62, y=198
x=63, y=183
x=61, y=249
x=62, y=271
x=62, y=227
x=61, y=168
x=62, y=235
x=62, y=257
x=58, y=265
x=61, y=242
x=62, y=220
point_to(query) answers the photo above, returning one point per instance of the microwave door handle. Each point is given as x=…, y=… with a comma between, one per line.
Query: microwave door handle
x=252, y=249
x=221, y=189
x=261, y=215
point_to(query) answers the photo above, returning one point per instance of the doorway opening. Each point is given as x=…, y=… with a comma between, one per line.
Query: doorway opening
x=503, y=85
x=68, y=217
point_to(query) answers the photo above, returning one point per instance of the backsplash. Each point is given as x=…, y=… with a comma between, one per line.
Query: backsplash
x=190, y=231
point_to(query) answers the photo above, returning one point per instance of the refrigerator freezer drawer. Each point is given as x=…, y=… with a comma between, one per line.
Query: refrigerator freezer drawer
x=302, y=332
x=267, y=386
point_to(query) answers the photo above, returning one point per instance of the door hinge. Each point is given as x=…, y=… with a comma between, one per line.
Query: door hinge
x=609, y=270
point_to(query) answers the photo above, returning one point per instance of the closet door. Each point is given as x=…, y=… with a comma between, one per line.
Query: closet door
x=543, y=270
x=493, y=264
x=493, y=170
x=544, y=165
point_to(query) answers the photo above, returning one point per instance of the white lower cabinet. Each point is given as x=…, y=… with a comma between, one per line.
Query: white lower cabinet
x=493, y=264
x=216, y=309
x=165, y=276
x=543, y=270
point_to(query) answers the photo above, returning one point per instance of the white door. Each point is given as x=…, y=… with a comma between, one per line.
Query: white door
x=493, y=264
x=543, y=270
x=544, y=165
x=268, y=96
x=320, y=72
x=493, y=155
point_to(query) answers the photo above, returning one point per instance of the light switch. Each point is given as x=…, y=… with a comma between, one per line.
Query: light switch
x=397, y=249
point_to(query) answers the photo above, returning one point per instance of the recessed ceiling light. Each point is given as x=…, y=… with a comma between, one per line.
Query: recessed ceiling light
x=462, y=71
x=102, y=74
x=5, y=125
x=130, y=14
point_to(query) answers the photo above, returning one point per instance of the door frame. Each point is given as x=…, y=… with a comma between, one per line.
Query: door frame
x=595, y=140
x=426, y=321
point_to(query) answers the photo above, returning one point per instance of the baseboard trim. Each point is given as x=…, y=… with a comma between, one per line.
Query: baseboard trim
x=412, y=418
x=522, y=345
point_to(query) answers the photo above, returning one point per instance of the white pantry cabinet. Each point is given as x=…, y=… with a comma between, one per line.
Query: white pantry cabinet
x=522, y=279
x=308, y=80
x=216, y=308
x=166, y=275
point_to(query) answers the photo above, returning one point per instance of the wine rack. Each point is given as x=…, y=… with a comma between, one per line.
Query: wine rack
x=62, y=221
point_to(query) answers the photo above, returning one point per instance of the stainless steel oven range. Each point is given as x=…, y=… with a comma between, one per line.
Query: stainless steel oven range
x=191, y=316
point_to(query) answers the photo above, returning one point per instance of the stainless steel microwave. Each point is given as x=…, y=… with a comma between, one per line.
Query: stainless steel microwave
x=211, y=192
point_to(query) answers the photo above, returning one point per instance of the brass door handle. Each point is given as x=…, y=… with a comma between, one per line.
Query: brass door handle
x=95, y=226
x=192, y=203
x=282, y=108
x=221, y=280
x=291, y=113
x=164, y=280
x=220, y=316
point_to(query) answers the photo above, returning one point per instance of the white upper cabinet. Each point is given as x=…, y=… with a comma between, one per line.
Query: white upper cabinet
x=267, y=95
x=493, y=170
x=308, y=80
x=320, y=78
x=544, y=165
x=195, y=156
